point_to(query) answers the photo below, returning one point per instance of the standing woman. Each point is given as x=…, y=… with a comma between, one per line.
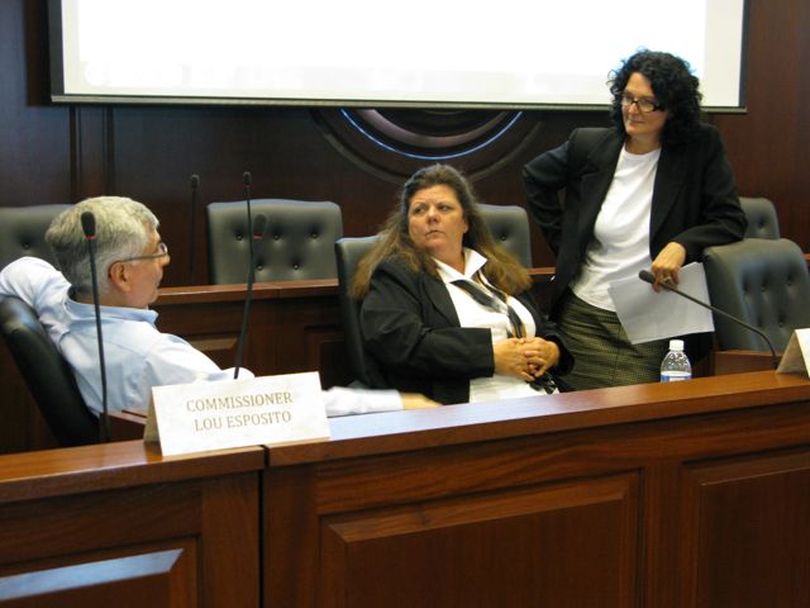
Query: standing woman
x=649, y=193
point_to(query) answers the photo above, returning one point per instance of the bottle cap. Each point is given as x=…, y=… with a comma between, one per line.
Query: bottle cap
x=676, y=345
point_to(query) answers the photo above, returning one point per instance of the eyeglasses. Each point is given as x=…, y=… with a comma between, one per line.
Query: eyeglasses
x=644, y=105
x=163, y=250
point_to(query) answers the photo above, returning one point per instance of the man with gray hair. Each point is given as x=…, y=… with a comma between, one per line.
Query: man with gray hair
x=130, y=258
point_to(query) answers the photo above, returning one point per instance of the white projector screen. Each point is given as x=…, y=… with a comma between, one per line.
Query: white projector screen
x=364, y=53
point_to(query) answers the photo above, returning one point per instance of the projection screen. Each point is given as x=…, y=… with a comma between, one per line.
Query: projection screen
x=359, y=53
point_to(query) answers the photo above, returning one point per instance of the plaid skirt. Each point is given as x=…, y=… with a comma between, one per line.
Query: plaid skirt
x=603, y=356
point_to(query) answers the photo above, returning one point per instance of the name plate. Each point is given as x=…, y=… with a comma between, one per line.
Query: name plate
x=796, y=358
x=271, y=410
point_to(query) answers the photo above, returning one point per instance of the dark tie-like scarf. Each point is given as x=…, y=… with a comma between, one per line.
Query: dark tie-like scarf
x=495, y=300
x=492, y=299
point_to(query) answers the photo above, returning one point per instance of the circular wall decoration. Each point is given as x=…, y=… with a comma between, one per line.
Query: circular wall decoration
x=393, y=143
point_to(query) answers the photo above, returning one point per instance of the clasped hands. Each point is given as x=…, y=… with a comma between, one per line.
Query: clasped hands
x=525, y=358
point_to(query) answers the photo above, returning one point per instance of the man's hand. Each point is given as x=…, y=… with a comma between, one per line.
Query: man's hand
x=416, y=401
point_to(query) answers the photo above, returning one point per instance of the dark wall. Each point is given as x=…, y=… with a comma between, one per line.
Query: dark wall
x=51, y=153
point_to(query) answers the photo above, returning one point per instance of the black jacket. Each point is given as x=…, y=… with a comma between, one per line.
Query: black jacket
x=694, y=197
x=412, y=336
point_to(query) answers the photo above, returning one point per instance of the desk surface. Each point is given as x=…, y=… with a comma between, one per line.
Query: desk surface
x=417, y=429
x=663, y=495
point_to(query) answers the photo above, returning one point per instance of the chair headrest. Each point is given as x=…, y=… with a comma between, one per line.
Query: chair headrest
x=298, y=242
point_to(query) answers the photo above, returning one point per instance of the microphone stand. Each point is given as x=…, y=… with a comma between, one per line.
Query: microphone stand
x=240, y=347
x=89, y=229
x=648, y=277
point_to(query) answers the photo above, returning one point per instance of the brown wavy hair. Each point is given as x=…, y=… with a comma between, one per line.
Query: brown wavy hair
x=501, y=269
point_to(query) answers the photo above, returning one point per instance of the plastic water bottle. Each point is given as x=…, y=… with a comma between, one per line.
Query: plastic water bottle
x=675, y=366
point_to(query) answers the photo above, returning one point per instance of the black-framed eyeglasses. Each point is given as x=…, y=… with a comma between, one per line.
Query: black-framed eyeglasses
x=644, y=105
x=163, y=250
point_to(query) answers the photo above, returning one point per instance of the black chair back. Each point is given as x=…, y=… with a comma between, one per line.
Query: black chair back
x=47, y=375
x=509, y=225
x=761, y=216
x=298, y=242
x=22, y=232
x=348, y=252
x=765, y=283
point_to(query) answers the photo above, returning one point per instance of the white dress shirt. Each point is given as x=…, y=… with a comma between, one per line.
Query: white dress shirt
x=472, y=314
x=137, y=355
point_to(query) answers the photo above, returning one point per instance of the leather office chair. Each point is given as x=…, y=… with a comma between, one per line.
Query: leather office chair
x=765, y=283
x=22, y=232
x=348, y=252
x=761, y=216
x=47, y=374
x=298, y=242
x=509, y=225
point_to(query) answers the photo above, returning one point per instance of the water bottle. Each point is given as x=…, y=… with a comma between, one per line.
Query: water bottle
x=675, y=366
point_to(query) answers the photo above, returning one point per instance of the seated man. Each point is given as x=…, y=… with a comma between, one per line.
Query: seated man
x=130, y=260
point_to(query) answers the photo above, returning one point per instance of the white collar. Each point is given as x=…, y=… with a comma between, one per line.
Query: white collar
x=473, y=262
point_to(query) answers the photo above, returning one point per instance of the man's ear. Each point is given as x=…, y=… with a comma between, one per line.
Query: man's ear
x=119, y=277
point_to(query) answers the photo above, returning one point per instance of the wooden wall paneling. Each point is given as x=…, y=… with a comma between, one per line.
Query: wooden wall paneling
x=163, y=575
x=510, y=548
x=750, y=533
x=289, y=532
x=766, y=145
x=117, y=525
x=308, y=335
x=381, y=508
x=22, y=426
x=35, y=143
x=212, y=325
x=288, y=323
x=798, y=212
x=91, y=155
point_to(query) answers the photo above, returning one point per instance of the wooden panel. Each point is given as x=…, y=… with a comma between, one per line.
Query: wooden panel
x=767, y=164
x=118, y=525
x=737, y=361
x=157, y=578
x=425, y=507
x=750, y=532
x=506, y=549
x=35, y=155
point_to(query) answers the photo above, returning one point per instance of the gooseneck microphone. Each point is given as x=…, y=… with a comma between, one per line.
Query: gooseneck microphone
x=259, y=227
x=247, y=180
x=89, y=229
x=648, y=277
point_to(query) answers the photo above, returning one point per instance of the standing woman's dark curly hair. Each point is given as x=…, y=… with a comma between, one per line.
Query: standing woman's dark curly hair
x=501, y=269
x=675, y=88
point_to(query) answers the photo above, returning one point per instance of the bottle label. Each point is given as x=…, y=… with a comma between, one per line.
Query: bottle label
x=672, y=376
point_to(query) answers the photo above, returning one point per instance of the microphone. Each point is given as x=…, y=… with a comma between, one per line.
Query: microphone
x=194, y=181
x=89, y=229
x=258, y=234
x=261, y=223
x=247, y=180
x=648, y=277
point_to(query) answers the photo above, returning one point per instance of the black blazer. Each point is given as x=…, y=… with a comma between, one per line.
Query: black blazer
x=694, y=197
x=412, y=336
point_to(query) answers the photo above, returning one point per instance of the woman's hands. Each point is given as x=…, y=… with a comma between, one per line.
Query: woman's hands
x=525, y=358
x=667, y=263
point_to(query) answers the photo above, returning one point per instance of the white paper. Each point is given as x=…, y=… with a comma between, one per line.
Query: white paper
x=273, y=410
x=796, y=358
x=647, y=315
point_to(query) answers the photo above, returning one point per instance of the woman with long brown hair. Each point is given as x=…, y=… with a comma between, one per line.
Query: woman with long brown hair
x=446, y=311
